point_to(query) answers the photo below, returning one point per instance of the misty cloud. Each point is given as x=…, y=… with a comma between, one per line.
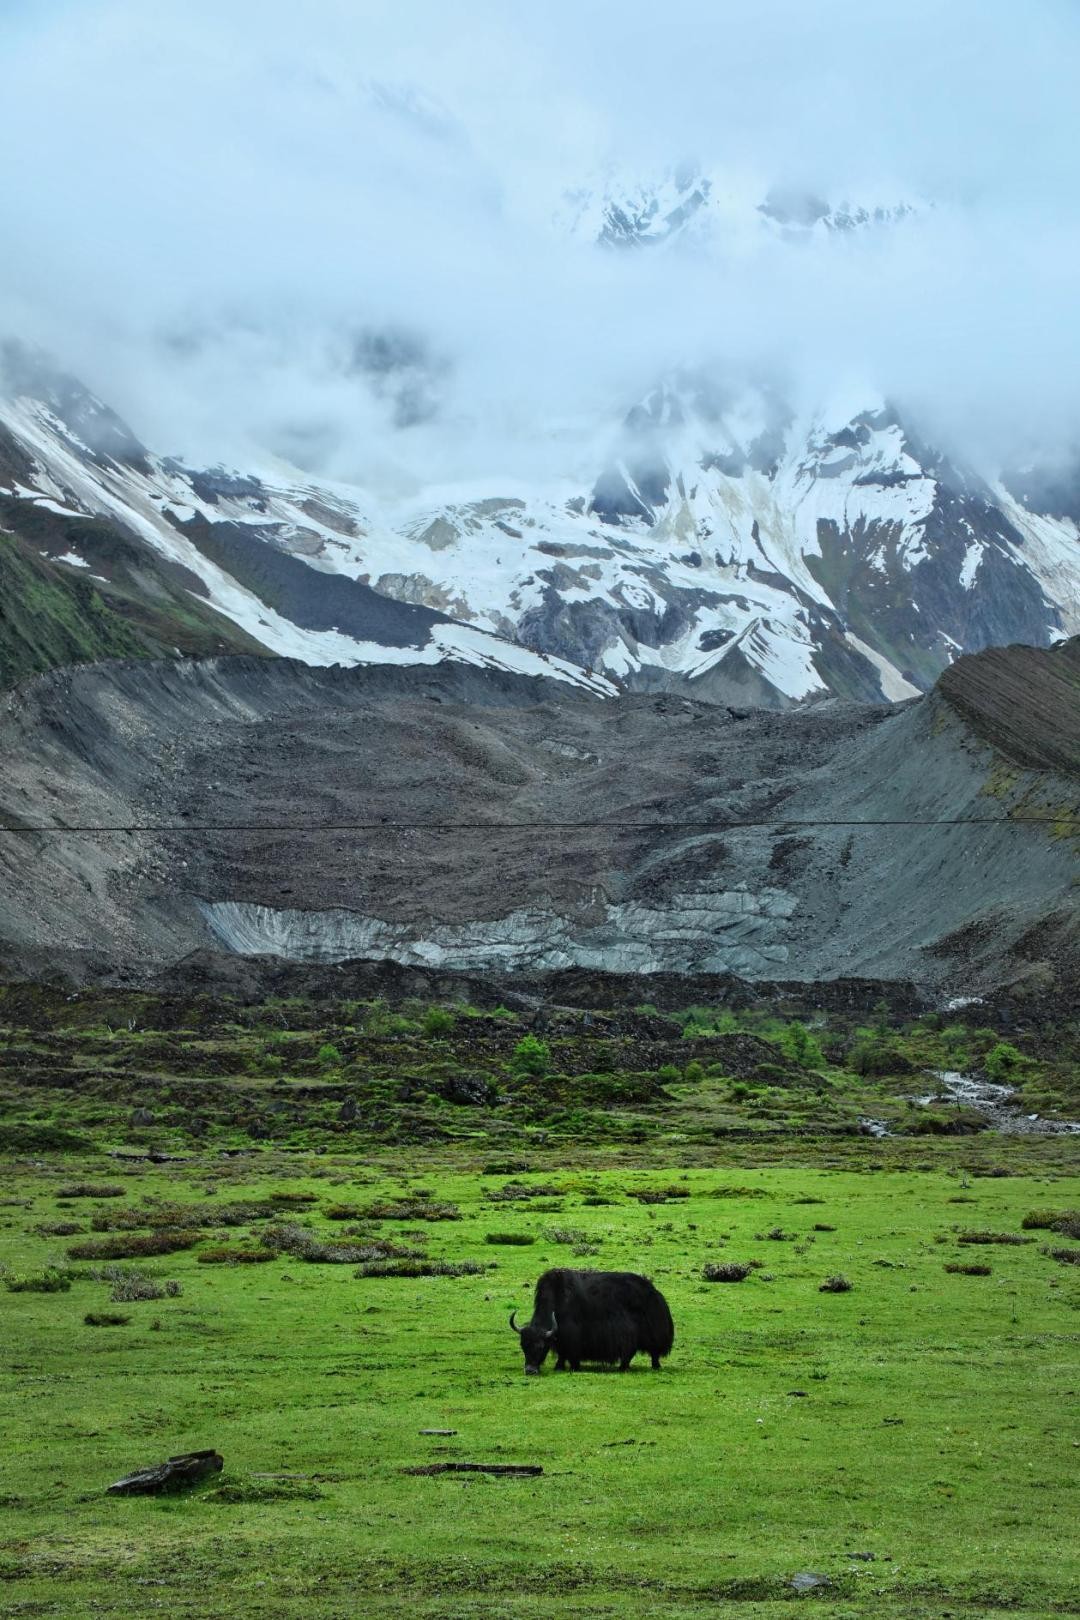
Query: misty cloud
x=341, y=233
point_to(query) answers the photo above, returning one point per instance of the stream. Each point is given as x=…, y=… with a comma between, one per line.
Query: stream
x=990, y=1100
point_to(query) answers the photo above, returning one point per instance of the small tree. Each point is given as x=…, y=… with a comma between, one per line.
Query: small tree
x=801, y=1047
x=531, y=1056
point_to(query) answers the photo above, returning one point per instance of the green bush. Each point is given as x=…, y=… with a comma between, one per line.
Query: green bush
x=49, y=1281
x=801, y=1047
x=437, y=1021
x=226, y=1255
x=1065, y=1221
x=1003, y=1063
x=531, y=1055
x=836, y=1284
x=694, y=1072
x=329, y=1055
x=669, y=1074
x=725, y=1271
x=128, y=1246
x=510, y=1239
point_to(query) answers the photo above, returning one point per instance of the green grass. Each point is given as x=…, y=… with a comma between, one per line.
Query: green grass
x=930, y=1429
x=349, y=1283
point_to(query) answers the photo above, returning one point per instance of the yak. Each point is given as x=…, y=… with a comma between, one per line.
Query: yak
x=595, y=1316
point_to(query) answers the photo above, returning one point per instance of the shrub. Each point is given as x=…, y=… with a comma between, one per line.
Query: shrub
x=59, y=1229
x=823, y=1226
x=1003, y=1063
x=437, y=1021
x=776, y=1234
x=329, y=1055
x=128, y=1286
x=596, y=1200
x=567, y=1234
x=1067, y=1257
x=92, y=1189
x=725, y=1272
x=531, y=1055
x=510, y=1239
x=836, y=1284
x=658, y=1195
x=694, y=1072
x=669, y=1074
x=413, y=1209
x=172, y=1217
x=801, y=1047
x=304, y=1245
x=49, y=1281
x=968, y=1270
x=106, y=1319
x=131, y=1245
x=1066, y=1221
x=876, y=1057
x=972, y=1236
x=342, y=1212
x=514, y=1191
x=419, y=1267
x=285, y=1199
x=226, y=1255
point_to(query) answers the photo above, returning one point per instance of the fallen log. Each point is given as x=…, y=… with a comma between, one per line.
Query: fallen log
x=526, y=1469
x=176, y=1474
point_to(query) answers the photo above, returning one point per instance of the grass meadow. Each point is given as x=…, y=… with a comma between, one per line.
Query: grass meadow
x=912, y=1442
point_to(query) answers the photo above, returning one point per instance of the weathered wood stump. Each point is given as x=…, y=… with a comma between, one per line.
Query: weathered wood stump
x=176, y=1474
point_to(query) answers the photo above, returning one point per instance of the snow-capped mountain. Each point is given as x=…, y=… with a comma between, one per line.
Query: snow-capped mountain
x=726, y=545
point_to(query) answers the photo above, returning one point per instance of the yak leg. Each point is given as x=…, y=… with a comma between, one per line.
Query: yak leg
x=624, y=1366
x=656, y=1363
x=560, y=1365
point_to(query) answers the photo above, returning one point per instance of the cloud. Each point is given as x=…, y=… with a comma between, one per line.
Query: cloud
x=217, y=211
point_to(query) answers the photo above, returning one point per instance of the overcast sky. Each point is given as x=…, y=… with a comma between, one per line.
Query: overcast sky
x=207, y=201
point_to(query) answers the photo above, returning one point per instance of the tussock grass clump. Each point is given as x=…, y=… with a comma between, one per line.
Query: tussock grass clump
x=106, y=1319
x=133, y=1245
x=510, y=1239
x=823, y=1226
x=412, y=1209
x=226, y=1255
x=49, y=1281
x=970, y=1235
x=129, y=1286
x=776, y=1234
x=285, y=1199
x=342, y=1212
x=419, y=1267
x=658, y=1195
x=59, y=1229
x=1066, y=1221
x=836, y=1284
x=963, y=1270
x=727, y=1271
x=92, y=1189
x=1067, y=1257
x=596, y=1201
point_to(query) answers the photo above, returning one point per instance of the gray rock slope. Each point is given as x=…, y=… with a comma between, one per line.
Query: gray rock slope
x=468, y=819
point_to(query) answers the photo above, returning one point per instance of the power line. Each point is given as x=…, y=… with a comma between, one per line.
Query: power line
x=779, y=824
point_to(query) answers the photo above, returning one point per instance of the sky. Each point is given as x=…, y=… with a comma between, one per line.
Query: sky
x=226, y=216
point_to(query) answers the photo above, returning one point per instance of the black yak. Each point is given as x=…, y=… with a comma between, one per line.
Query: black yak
x=595, y=1316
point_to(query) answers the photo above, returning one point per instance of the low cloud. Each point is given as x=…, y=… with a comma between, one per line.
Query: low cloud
x=230, y=220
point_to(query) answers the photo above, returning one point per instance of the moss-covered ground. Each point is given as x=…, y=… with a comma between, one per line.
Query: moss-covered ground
x=911, y=1442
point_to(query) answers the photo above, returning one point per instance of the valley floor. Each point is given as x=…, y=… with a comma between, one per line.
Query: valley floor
x=909, y=1442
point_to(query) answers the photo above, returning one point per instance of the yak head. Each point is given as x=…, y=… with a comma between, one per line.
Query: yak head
x=536, y=1340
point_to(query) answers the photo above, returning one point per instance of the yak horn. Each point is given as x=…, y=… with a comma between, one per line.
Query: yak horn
x=513, y=1323
x=554, y=1328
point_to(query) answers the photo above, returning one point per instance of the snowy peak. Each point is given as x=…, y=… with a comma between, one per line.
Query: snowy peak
x=727, y=546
